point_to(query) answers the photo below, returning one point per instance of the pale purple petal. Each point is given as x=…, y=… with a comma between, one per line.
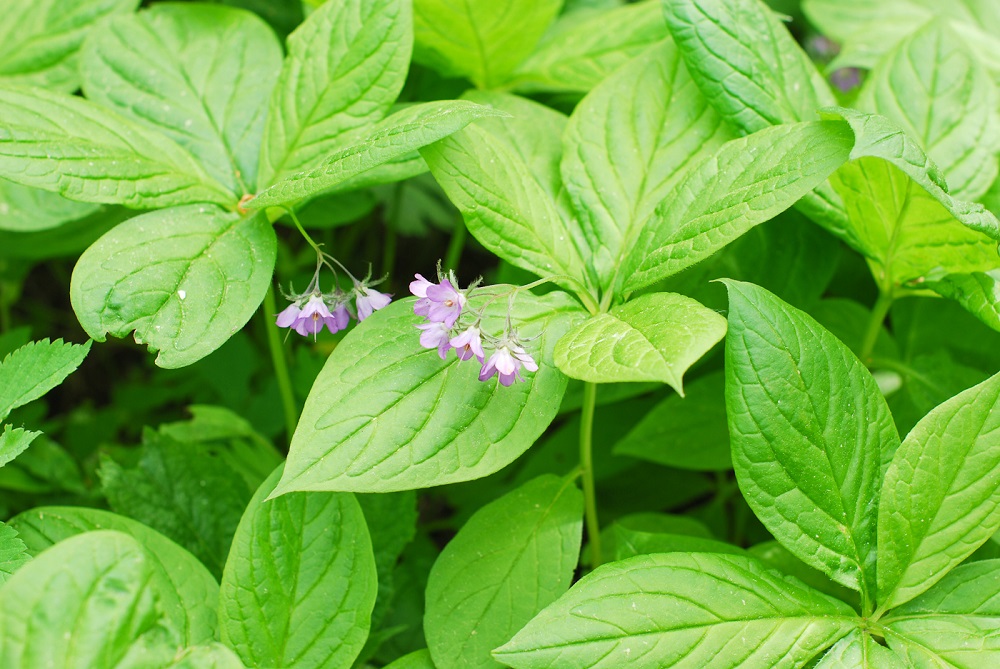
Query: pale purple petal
x=419, y=287
x=521, y=355
x=368, y=301
x=288, y=317
x=341, y=317
x=436, y=335
x=468, y=344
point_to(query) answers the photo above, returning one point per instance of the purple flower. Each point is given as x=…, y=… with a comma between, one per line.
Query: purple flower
x=846, y=79
x=288, y=316
x=309, y=319
x=368, y=300
x=506, y=363
x=469, y=344
x=419, y=288
x=436, y=335
x=445, y=303
x=341, y=317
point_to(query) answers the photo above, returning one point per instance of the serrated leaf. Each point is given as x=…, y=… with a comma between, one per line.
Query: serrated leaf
x=655, y=337
x=480, y=40
x=185, y=279
x=201, y=75
x=808, y=426
x=345, y=66
x=14, y=441
x=746, y=182
x=24, y=209
x=389, y=140
x=39, y=39
x=621, y=160
x=300, y=581
x=860, y=651
x=583, y=48
x=13, y=552
x=86, y=602
x=89, y=153
x=186, y=592
x=658, y=611
x=952, y=457
x=386, y=414
x=35, y=369
x=477, y=599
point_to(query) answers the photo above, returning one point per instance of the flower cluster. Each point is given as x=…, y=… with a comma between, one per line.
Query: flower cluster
x=450, y=326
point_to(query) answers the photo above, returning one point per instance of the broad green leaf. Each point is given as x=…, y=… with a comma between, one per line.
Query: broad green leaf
x=68, y=240
x=14, y=441
x=39, y=39
x=186, y=592
x=860, y=651
x=645, y=533
x=514, y=557
x=199, y=74
x=687, y=433
x=391, y=519
x=504, y=178
x=977, y=292
x=345, y=66
x=681, y=609
x=954, y=624
x=581, y=49
x=182, y=491
x=951, y=457
x=655, y=337
x=808, y=426
x=89, y=153
x=24, y=209
x=746, y=182
x=391, y=139
x=300, y=581
x=211, y=656
x=86, y=602
x=481, y=40
x=776, y=556
x=420, y=659
x=13, y=552
x=387, y=414
x=932, y=86
x=44, y=468
x=185, y=279
x=622, y=158
x=35, y=369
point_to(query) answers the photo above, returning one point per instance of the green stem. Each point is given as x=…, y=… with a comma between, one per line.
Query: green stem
x=302, y=231
x=587, y=471
x=388, y=250
x=454, y=253
x=875, y=321
x=288, y=405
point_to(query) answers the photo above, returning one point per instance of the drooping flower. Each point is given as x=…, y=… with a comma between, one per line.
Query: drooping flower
x=309, y=318
x=288, y=316
x=446, y=303
x=436, y=335
x=419, y=288
x=506, y=363
x=368, y=301
x=469, y=343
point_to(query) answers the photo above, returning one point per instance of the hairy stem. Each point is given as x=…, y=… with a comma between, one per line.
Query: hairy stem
x=288, y=405
x=587, y=471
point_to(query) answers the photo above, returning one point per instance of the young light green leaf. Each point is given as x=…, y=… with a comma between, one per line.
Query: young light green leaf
x=954, y=623
x=185, y=279
x=687, y=433
x=201, y=75
x=419, y=659
x=35, y=369
x=345, y=66
x=186, y=591
x=808, y=426
x=39, y=39
x=860, y=651
x=977, y=292
x=746, y=182
x=14, y=441
x=386, y=414
x=621, y=161
x=300, y=581
x=655, y=337
x=24, y=209
x=89, y=153
x=583, y=48
x=952, y=457
x=86, y=602
x=514, y=557
x=389, y=140
x=13, y=552
x=504, y=178
x=681, y=609
x=480, y=40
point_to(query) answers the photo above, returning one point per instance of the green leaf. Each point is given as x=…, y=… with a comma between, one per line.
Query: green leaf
x=13, y=552
x=185, y=590
x=514, y=557
x=39, y=39
x=35, y=369
x=655, y=337
x=645, y=533
x=860, y=651
x=582, y=49
x=182, y=491
x=622, y=160
x=393, y=138
x=185, y=279
x=300, y=581
x=211, y=656
x=89, y=153
x=503, y=176
x=480, y=40
x=387, y=414
x=951, y=457
x=345, y=66
x=687, y=433
x=201, y=75
x=681, y=608
x=86, y=602
x=808, y=425
x=977, y=292
x=954, y=624
x=776, y=556
x=420, y=659
x=746, y=182
x=14, y=441
x=24, y=209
